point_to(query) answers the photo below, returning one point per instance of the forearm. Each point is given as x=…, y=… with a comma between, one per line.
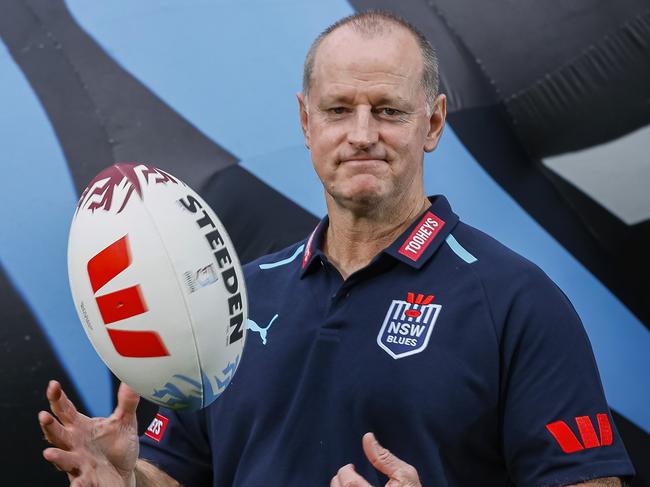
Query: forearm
x=148, y=475
x=604, y=482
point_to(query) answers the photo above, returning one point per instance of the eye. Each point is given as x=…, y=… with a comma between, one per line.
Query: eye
x=337, y=110
x=391, y=112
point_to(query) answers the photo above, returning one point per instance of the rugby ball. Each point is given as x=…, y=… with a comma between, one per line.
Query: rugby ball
x=157, y=285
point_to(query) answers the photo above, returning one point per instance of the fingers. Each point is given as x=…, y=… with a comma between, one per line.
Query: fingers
x=63, y=460
x=379, y=457
x=387, y=463
x=61, y=406
x=348, y=477
x=127, y=402
x=54, y=432
x=335, y=482
x=82, y=482
x=400, y=473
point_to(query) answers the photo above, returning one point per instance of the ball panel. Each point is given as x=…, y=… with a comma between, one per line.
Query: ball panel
x=159, y=304
x=149, y=271
x=210, y=278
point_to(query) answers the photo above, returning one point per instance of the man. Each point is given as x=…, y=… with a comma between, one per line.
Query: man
x=392, y=317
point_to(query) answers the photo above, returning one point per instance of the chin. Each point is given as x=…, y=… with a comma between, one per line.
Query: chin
x=360, y=198
x=360, y=190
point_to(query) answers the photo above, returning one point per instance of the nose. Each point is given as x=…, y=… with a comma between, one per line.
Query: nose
x=364, y=131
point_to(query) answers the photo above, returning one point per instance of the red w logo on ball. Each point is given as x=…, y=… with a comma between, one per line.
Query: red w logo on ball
x=122, y=304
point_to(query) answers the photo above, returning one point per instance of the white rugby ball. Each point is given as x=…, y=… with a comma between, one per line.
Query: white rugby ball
x=157, y=285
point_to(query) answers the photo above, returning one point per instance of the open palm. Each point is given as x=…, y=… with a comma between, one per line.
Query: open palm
x=93, y=451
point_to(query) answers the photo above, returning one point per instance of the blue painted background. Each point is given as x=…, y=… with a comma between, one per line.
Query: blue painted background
x=37, y=200
x=238, y=86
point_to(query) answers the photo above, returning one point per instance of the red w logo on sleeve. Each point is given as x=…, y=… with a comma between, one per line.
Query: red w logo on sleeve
x=570, y=443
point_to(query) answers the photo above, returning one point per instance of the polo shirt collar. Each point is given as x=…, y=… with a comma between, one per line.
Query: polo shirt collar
x=414, y=247
x=425, y=235
x=312, y=254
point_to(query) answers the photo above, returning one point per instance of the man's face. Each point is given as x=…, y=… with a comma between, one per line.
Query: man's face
x=365, y=121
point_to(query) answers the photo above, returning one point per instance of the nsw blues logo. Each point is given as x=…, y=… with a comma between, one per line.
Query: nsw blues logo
x=408, y=325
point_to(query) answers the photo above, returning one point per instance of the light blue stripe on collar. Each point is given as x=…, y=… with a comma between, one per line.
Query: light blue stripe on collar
x=288, y=260
x=459, y=250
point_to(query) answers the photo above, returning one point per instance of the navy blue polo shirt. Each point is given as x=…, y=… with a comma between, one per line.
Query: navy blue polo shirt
x=462, y=357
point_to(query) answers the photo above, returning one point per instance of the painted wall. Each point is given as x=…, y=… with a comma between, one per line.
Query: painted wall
x=207, y=90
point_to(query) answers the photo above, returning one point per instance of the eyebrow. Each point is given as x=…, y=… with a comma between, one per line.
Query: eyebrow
x=333, y=99
x=397, y=100
x=384, y=100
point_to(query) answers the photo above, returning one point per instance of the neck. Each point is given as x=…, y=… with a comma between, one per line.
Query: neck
x=355, y=237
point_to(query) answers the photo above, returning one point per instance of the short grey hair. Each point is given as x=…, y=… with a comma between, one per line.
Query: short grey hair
x=373, y=23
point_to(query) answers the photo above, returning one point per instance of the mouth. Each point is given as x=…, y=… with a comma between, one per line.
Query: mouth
x=362, y=161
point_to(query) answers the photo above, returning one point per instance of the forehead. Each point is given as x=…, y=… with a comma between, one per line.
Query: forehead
x=390, y=60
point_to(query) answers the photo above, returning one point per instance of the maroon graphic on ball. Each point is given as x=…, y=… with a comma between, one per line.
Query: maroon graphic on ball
x=113, y=177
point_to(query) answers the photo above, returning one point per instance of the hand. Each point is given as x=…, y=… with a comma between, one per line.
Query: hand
x=399, y=473
x=93, y=451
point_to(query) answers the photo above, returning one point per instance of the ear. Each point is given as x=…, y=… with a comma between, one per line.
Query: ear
x=304, y=117
x=436, y=123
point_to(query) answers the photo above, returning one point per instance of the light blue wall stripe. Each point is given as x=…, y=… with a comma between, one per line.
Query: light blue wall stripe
x=37, y=201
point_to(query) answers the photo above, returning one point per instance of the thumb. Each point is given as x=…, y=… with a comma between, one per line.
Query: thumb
x=127, y=402
x=387, y=463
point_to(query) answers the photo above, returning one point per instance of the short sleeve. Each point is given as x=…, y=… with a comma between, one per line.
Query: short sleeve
x=556, y=425
x=178, y=444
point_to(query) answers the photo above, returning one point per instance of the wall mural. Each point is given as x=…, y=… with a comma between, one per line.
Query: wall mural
x=546, y=149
